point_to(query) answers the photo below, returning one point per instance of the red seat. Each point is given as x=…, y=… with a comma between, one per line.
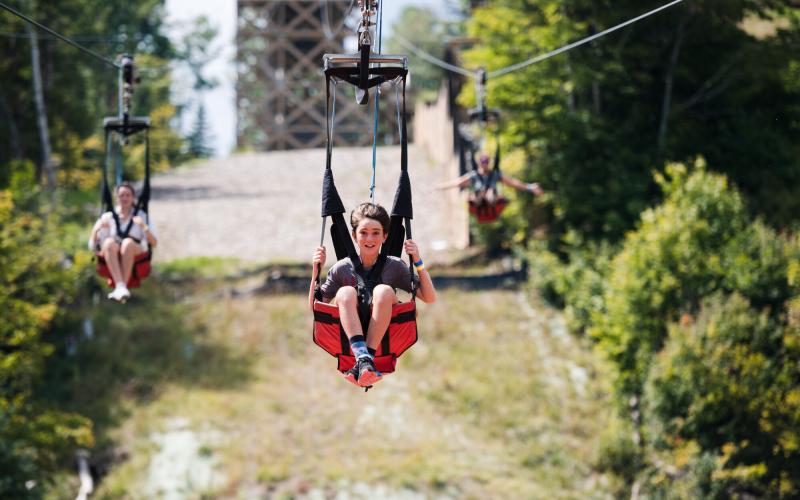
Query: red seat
x=141, y=269
x=401, y=334
x=488, y=212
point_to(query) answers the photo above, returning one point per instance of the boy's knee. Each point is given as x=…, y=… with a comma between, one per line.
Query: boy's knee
x=346, y=295
x=383, y=293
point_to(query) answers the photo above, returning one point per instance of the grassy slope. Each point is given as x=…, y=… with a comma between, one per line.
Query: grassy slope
x=496, y=401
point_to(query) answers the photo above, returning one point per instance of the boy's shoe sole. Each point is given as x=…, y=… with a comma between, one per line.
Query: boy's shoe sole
x=350, y=376
x=368, y=378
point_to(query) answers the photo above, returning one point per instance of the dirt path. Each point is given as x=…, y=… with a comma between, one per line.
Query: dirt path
x=486, y=405
x=265, y=207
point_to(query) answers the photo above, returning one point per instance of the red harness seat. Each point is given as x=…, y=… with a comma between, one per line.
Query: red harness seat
x=401, y=334
x=140, y=271
x=488, y=212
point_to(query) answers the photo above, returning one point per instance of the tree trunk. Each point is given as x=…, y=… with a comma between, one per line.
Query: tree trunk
x=7, y=115
x=666, y=103
x=41, y=111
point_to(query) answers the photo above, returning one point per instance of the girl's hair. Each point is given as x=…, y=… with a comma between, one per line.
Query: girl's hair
x=126, y=185
x=369, y=211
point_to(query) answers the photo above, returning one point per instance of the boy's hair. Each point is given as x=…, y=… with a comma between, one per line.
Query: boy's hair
x=126, y=185
x=369, y=211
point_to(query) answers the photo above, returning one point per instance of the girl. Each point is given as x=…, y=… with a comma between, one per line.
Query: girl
x=484, y=182
x=370, y=224
x=120, y=250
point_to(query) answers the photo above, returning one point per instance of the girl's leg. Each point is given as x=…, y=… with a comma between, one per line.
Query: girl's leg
x=130, y=249
x=383, y=298
x=110, y=251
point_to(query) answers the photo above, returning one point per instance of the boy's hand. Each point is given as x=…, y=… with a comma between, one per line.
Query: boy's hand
x=412, y=250
x=317, y=262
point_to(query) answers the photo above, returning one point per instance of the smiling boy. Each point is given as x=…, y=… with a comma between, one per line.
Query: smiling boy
x=381, y=276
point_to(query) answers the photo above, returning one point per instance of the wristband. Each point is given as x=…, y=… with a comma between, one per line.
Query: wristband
x=419, y=265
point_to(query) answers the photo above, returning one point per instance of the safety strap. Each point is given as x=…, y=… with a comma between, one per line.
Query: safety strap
x=143, y=203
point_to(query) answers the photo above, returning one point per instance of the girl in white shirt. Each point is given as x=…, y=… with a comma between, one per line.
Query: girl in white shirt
x=121, y=244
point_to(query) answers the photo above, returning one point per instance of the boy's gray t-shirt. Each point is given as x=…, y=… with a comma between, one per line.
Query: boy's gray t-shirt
x=395, y=273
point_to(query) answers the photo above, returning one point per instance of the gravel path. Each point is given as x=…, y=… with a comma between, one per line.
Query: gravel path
x=265, y=207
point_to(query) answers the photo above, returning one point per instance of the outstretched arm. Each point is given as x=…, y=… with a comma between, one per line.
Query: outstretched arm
x=460, y=182
x=426, y=292
x=517, y=184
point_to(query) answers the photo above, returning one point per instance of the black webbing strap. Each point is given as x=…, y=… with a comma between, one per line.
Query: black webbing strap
x=366, y=283
x=386, y=344
x=143, y=203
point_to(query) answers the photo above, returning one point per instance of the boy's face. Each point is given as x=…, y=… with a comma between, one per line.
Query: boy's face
x=369, y=236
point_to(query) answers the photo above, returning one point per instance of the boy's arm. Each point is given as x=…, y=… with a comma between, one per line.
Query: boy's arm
x=426, y=292
x=316, y=268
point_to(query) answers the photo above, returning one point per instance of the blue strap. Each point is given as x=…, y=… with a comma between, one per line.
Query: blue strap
x=375, y=114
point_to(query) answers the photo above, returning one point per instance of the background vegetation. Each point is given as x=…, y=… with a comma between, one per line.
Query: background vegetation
x=670, y=154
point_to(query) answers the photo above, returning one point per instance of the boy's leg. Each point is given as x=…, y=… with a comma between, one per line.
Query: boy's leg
x=383, y=298
x=347, y=301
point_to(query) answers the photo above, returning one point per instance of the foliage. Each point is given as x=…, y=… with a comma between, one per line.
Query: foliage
x=199, y=137
x=727, y=386
x=422, y=27
x=698, y=313
x=689, y=81
x=577, y=281
x=78, y=89
x=35, y=278
x=677, y=256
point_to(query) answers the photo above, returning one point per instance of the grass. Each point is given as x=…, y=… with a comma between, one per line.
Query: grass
x=484, y=406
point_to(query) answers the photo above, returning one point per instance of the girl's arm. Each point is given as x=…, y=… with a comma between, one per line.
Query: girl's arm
x=151, y=240
x=426, y=292
x=517, y=184
x=460, y=182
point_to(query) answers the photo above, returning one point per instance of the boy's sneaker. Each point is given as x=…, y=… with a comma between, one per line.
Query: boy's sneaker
x=351, y=375
x=367, y=374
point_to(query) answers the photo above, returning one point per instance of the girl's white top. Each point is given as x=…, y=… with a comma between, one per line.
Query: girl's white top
x=136, y=232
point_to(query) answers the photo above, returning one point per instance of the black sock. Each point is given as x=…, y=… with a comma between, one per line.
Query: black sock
x=372, y=351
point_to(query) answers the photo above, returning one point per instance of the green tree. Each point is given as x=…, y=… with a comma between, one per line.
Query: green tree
x=200, y=138
x=422, y=27
x=689, y=81
x=34, y=281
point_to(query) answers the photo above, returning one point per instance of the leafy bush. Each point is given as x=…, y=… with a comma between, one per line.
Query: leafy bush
x=35, y=278
x=679, y=254
x=578, y=282
x=729, y=384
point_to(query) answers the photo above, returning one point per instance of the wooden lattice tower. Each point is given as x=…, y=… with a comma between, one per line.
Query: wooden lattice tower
x=281, y=87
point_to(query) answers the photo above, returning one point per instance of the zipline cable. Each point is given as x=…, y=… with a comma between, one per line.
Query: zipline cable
x=433, y=59
x=62, y=37
x=534, y=60
x=523, y=64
